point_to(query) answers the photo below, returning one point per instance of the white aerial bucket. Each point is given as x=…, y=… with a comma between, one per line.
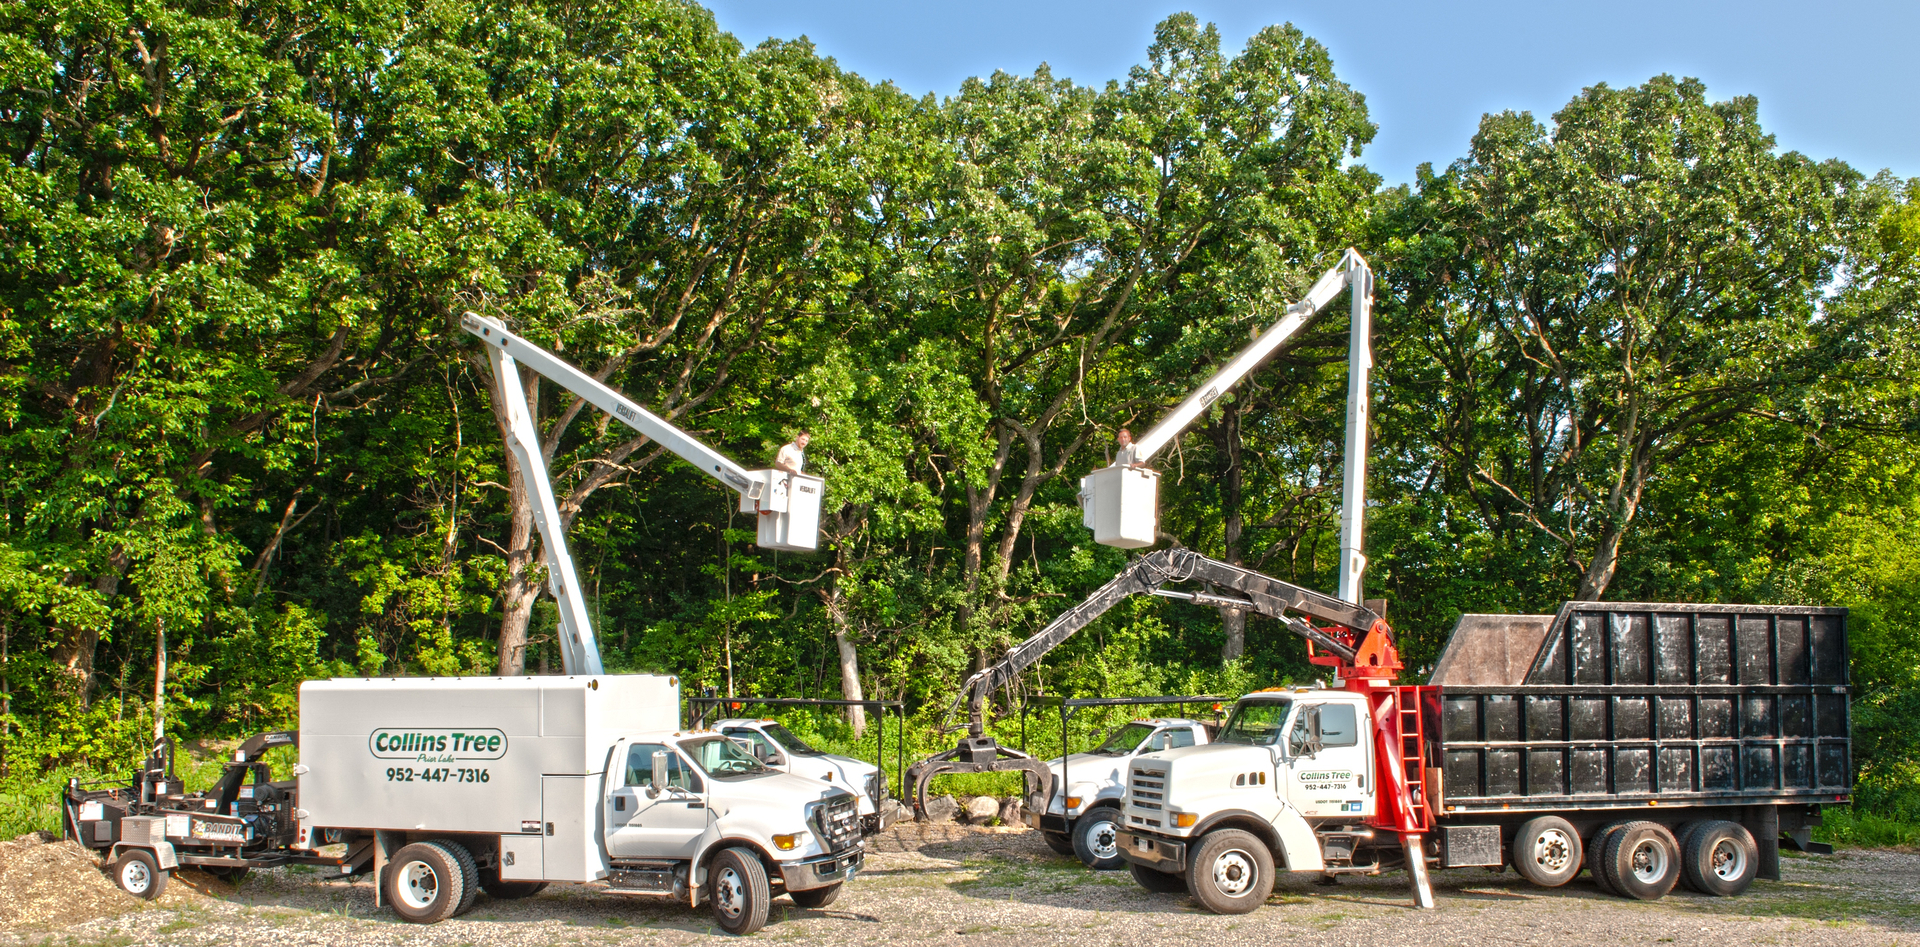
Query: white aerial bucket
x=1122, y=506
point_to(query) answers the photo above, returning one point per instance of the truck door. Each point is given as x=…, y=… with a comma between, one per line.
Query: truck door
x=1327, y=767
x=666, y=825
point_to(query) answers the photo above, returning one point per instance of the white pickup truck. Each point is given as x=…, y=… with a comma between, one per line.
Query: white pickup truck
x=1083, y=819
x=778, y=747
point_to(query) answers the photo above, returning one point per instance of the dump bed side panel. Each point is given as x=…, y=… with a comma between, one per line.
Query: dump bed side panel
x=1631, y=704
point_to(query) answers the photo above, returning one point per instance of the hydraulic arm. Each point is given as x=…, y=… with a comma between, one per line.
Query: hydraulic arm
x=787, y=505
x=1349, y=637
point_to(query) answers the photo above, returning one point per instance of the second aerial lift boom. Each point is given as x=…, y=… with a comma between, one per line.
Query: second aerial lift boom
x=786, y=505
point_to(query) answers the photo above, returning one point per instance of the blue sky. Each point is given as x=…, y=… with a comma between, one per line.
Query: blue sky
x=1836, y=79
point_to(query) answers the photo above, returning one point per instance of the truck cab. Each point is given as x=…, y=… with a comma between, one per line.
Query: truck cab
x=1083, y=818
x=672, y=800
x=1288, y=784
x=777, y=747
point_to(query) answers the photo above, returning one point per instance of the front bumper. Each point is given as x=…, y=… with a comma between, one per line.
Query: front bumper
x=1160, y=854
x=1045, y=823
x=876, y=823
x=822, y=870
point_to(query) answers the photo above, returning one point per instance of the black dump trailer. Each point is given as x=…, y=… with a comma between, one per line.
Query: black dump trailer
x=1648, y=743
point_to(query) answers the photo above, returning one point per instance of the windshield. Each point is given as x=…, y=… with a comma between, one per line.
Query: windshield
x=1256, y=723
x=722, y=758
x=794, y=745
x=1124, y=740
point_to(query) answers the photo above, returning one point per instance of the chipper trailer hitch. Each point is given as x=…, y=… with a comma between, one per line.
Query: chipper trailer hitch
x=1352, y=639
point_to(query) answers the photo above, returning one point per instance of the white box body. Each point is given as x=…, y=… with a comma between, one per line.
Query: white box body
x=1122, y=506
x=475, y=754
x=788, y=510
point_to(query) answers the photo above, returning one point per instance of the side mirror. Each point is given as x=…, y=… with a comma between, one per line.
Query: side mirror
x=661, y=760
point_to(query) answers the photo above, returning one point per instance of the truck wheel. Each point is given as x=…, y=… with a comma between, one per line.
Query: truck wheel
x=740, y=894
x=1546, y=851
x=817, y=897
x=423, y=883
x=512, y=890
x=1642, y=861
x=1597, y=853
x=1096, y=839
x=1719, y=858
x=469, y=874
x=1231, y=872
x=1060, y=844
x=138, y=874
x=1155, y=880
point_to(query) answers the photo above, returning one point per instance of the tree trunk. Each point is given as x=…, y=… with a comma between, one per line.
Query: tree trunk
x=75, y=655
x=1232, y=482
x=850, y=688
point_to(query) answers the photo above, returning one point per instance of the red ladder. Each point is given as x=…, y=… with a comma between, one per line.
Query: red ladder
x=1413, y=742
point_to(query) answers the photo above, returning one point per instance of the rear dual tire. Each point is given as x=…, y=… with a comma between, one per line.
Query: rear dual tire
x=428, y=882
x=1718, y=858
x=1641, y=861
x=1547, y=851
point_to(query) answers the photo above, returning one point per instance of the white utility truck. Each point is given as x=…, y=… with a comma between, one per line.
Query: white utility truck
x=447, y=787
x=774, y=745
x=1083, y=818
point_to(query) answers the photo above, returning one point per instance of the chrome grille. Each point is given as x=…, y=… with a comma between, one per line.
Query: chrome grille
x=1147, y=787
x=837, y=822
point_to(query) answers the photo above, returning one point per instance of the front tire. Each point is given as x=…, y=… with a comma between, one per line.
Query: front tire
x=1231, y=872
x=738, y=885
x=1155, y=880
x=1096, y=839
x=423, y=883
x=1720, y=859
x=1642, y=861
x=817, y=898
x=138, y=874
x=1060, y=844
x=1546, y=851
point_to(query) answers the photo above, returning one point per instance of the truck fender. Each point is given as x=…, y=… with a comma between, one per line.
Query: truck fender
x=1287, y=833
x=162, y=853
x=712, y=844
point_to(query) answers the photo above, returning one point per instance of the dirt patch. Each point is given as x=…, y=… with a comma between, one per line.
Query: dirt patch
x=52, y=882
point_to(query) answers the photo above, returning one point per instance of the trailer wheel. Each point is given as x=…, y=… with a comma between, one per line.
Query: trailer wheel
x=1096, y=839
x=1597, y=854
x=1060, y=844
x=1719, y=858
x=138, y=874
x=1642, y=861
x=423, y=883
x=512, y=890
x=1231, y=872
x=817, y=897
x=469, y=874
x=738, y=883
x=1546, y=851
x=1155, y=880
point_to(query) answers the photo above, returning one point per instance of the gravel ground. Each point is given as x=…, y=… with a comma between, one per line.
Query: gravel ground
x=978, y=888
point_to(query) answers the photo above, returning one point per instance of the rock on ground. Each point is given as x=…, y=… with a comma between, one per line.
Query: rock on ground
x=941, y=809
x=982, y=808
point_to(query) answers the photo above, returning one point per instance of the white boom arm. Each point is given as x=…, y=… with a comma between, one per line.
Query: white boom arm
x=1119, y=502
x=788, y=504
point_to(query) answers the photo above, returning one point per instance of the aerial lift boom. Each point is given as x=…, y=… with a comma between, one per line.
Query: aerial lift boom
x=786, y=505
x=1120, y=503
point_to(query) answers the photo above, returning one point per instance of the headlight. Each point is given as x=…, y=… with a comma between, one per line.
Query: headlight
x=787, y=843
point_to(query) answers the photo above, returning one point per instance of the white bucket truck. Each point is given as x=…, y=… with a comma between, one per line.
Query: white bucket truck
x=779, y=748
x=452, y=786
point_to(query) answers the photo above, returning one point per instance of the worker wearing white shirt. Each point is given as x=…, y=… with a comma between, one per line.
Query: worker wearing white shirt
x=1125, y=455
x=793, y=456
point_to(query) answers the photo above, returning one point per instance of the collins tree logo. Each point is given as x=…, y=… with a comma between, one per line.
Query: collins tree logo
x=442, y=746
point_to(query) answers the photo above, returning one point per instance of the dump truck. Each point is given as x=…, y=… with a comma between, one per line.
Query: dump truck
x=1647, y=744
